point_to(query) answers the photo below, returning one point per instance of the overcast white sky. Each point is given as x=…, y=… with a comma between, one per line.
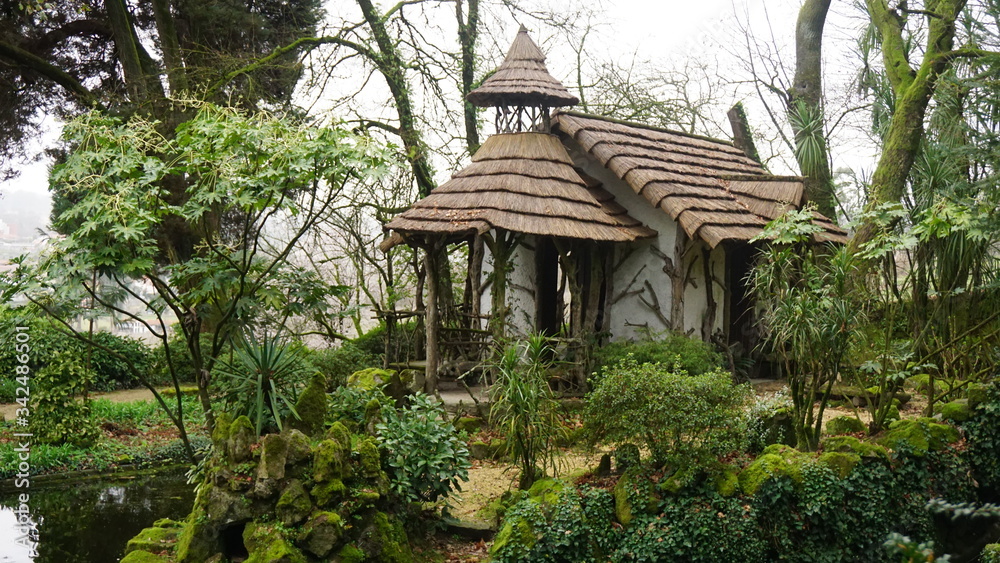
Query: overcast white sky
x=665, y=32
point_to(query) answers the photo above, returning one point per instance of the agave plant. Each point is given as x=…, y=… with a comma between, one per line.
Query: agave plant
x=260, y=380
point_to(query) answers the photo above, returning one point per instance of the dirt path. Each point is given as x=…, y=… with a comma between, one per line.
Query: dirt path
x=127, y=396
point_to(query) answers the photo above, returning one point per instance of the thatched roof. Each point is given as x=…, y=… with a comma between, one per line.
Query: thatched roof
x=521, y=182
x=711, y=188
x=522, y=80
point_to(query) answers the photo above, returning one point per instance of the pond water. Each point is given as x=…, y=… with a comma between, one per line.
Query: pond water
x=90, y=521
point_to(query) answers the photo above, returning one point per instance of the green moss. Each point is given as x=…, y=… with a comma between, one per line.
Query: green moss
x=976, y=393
x=186, y=391
x=294, y=505
x=850, y=444
x=328, y=461
x=371, y=464
x=991, y=553
x=388, y=540
x=726, y=482
x=141, y=556
x=221, y=431
x=918, y=436
x=266, y=544
x=241, y=436
x=373, y=414
x=167, y=523
x=311, y=406
x=844, y=425
x=777, y=461
x=371, y=378
x=514, y=538
x=546, y=491
x=329, y=492
x=299, y=448
x=340, y=433
x=624, y=494
x=321, y=533
x=841, y=463
x=469, y=424
x=273, y=454
x=955, y=411
x=350, y=554
x=494, y=449
x=152, y=539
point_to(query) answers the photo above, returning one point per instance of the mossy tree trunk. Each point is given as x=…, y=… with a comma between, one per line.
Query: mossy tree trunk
x=912, y=90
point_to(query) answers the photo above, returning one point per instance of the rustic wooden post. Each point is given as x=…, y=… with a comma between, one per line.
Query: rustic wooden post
x=678, y=275
x=708, y=322
x=502, y=248
x=432, y=317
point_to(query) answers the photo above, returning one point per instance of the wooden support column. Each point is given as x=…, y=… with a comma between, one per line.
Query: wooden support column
x=708, y=321
x=432, y=316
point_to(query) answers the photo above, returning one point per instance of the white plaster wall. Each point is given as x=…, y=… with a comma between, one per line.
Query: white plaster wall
x=520, y=292
x=637, y=263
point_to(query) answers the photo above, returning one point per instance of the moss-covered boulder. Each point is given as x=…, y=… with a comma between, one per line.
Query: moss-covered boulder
x=329, y=492
x=273, y=456
x=777, y=461
x=299, y=449
x=294, y=505
x=142, y=556
x=370, y=378
x=840, y=463
x=321, y=533
x=385, y=540
x=977, y=394
x=155, y=539
x=845, y=424
x=329, y=461
x=367, y=450
x=469, y=424
x=726, y=480
x=918, y=436
x=955, y=411
x=350, y=554
x=494, y=449
x=311, y=407
x=852, y=445
x=266, y=544
x=515, y=539
x=632, y=496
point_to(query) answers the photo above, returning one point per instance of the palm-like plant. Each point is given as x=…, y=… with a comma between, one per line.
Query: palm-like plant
x=260, y=380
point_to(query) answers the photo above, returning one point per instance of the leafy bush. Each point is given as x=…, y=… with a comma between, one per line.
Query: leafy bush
x=338, y=363
x=348, y=404
x=769, y=422
x=425, y=457
x=57, y=416
x=523, y=408
x=682, y=419
x=180, y=356
x=671, y=348
x=983, y=434
x=111, y=369
x=372, y=342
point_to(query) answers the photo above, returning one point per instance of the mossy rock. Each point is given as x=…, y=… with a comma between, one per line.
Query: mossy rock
x=370, y=462
x=777, y=461
x=142, y=556
x=546, y=491
x=515, y=539
x=991, y=553
x=273, y=456
x=294, y=505
x=469, y=424
x=977, y=393
x=329, y=461
x=370, y=378
x=155, y=539
x=494, y=449
x=845, y=424
x=299, y=448
x=240, y=436
x=266, y=544
x=350, y=554
x=840, y=463
x=311, y=407
x=325, y=494
x=623, y=493
x=850, y=444
x=955, y=411
x=726, y=481
x=321, y=533
x=918, y=436
x=384, y=540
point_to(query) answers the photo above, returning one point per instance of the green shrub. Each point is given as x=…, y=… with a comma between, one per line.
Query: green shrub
x=681, y=419
x=424, y=456
x=111, y=369
x=671, y=348
x=347, y=404
x=983, y=434
x=338, y=363
x=523, y=409
x=769, y=421
x=57, y=415
x=372, y=343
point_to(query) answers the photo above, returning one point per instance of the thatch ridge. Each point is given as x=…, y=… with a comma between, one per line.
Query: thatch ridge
x=522, y=79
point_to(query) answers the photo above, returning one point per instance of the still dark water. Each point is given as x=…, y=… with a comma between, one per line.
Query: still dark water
x=91, y=521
